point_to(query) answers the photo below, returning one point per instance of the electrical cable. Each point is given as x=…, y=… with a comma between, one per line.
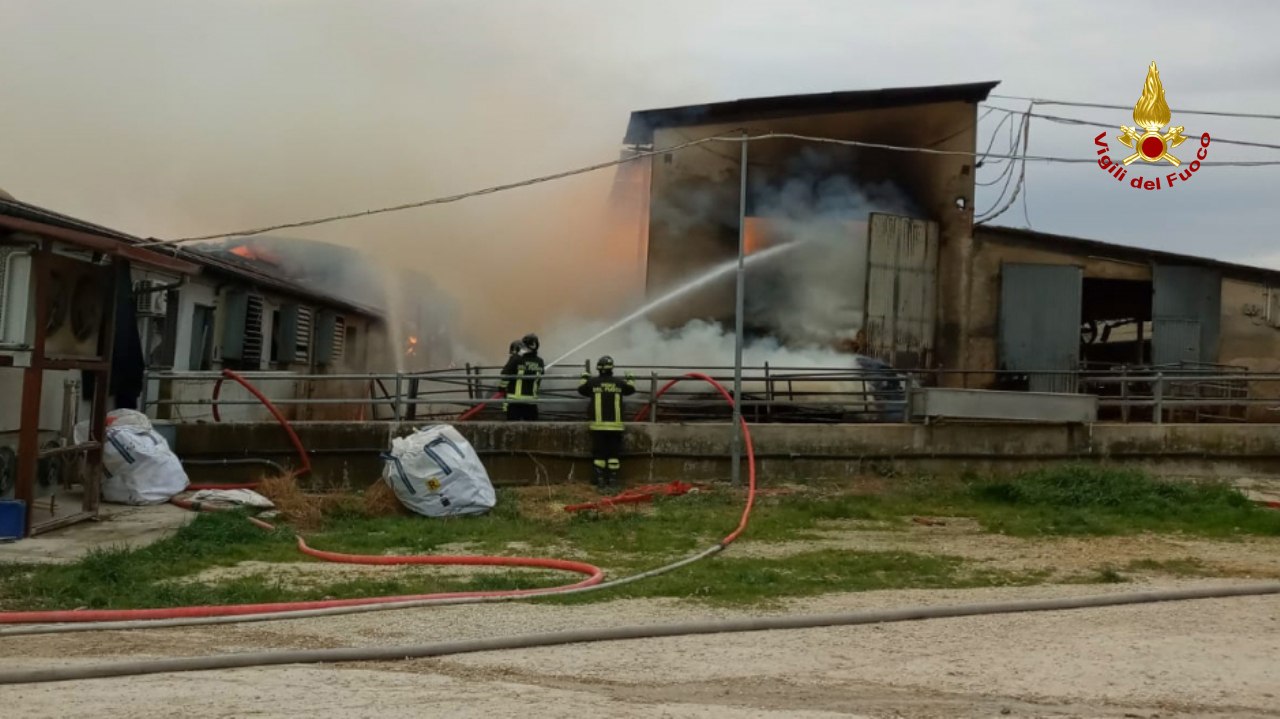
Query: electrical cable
x=649, y=631
x=1009, y=171
x=1069, y=103
x=1007, y=165
x=1061, y=120
x=1020, y=185
x=648, y=153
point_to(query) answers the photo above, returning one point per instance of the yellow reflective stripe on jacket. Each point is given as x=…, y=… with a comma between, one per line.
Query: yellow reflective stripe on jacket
x=600, y=424
x=519, y=392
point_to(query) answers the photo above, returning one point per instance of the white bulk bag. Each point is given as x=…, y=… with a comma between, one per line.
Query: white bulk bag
x=128, y=418
x=436, y=473
x=139, y=466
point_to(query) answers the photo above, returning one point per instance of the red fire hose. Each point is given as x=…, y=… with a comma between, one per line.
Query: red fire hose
x=304, y=461
x=476, y=409
x=282, y=610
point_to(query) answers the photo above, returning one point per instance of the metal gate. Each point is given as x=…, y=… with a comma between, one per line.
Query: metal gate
x=1186, y=314
x=901, y=302
x=1040, y=324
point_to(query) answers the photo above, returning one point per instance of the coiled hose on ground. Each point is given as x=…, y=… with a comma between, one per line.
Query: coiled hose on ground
x=93, y=620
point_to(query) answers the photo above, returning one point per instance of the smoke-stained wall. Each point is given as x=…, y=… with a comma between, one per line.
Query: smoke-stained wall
x=816, y=190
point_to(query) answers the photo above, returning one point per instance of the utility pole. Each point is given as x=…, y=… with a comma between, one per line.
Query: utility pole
x=737, y=318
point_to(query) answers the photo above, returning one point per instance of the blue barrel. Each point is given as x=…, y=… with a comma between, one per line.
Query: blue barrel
x=13, y=518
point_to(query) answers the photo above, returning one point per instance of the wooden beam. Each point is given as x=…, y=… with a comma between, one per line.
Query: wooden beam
x=107, y=245
x=32, y=386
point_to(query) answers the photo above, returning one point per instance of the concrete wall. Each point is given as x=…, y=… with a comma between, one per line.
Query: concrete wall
x=694, y=198
x=345, y=455
x=50, y=400
x=1250, y=339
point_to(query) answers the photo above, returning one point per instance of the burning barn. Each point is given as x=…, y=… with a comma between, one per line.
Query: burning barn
x=419, y=318
x=860, y=248
x=875, y=224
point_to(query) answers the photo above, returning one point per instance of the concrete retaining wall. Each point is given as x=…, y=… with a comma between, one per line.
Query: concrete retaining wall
x=346, y=455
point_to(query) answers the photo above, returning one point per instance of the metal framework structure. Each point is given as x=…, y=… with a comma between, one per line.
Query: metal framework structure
x=769, y=394
x=109, y=258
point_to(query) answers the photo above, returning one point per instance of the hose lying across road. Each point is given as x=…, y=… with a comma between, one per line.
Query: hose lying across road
x=48, y=622
x=579, y=636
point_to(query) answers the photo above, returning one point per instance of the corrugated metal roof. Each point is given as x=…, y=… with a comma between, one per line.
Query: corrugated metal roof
x=644, y=122
x=1111, y=250
x=34, y=213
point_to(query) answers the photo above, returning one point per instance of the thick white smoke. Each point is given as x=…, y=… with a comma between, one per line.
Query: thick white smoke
x=802, y=306
x=699, y=344
x=816, y=294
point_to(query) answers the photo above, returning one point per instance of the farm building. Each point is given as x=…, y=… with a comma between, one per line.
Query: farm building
x=879, y=186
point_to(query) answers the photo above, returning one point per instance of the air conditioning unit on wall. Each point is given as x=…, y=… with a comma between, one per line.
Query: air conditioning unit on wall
x=150, y=302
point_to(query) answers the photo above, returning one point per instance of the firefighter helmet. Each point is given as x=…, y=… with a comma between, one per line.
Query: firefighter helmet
x=516, y=348
x=530, y=341
x=604, y=364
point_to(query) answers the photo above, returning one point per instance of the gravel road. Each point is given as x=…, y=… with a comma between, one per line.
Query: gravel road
x=1200, y=658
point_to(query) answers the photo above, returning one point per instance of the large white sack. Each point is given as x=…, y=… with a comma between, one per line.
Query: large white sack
x=435, y=472
x=139, y=467
x=128, y=418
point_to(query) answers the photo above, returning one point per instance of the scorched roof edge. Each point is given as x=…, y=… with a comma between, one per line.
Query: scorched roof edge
x=644, y=122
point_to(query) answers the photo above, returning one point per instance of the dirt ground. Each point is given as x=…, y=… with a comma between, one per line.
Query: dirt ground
x=1215, y=658
x=1200, y=658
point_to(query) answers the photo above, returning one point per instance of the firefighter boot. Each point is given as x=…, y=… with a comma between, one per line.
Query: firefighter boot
x=600, y=477
x=611, y=476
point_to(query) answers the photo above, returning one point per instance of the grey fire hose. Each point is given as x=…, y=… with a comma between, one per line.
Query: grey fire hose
x=579, y=636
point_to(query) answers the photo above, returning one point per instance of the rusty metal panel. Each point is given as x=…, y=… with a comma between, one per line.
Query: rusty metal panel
x=901, y=306
x=1186, y=300
x=1040, y=324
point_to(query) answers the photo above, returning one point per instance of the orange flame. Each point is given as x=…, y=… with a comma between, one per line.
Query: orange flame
x=755, y=235
x=249, y=253
x=413, y=346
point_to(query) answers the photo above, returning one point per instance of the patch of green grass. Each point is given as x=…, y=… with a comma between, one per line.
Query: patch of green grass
x=745, y=580
x=1083, y=500
x=1061, y=501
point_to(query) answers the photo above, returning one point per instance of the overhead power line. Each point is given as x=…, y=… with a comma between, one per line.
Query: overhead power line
x=1069, y=103
x=1019, y=186
x=650, y=153
x=1107, y=125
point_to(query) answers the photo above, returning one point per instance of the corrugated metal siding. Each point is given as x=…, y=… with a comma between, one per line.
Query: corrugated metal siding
x=1176, y=340
x=1185, y=296
x=1040, y=323
x=901, y=307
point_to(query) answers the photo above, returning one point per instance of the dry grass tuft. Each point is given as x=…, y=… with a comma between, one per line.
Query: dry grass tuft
x=380, y=500
x=303, y=510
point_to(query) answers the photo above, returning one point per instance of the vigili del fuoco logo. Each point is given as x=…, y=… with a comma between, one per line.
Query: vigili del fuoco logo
x=1153, y=146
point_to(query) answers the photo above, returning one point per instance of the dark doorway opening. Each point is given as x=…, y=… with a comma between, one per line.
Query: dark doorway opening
x=1115, y=323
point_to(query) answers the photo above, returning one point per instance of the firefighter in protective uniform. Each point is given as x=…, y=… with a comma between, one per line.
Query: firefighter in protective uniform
x=605, y=414
x=521, y=379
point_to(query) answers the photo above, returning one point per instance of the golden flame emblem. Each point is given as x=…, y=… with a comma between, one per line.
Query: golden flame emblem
x=1151, y=114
